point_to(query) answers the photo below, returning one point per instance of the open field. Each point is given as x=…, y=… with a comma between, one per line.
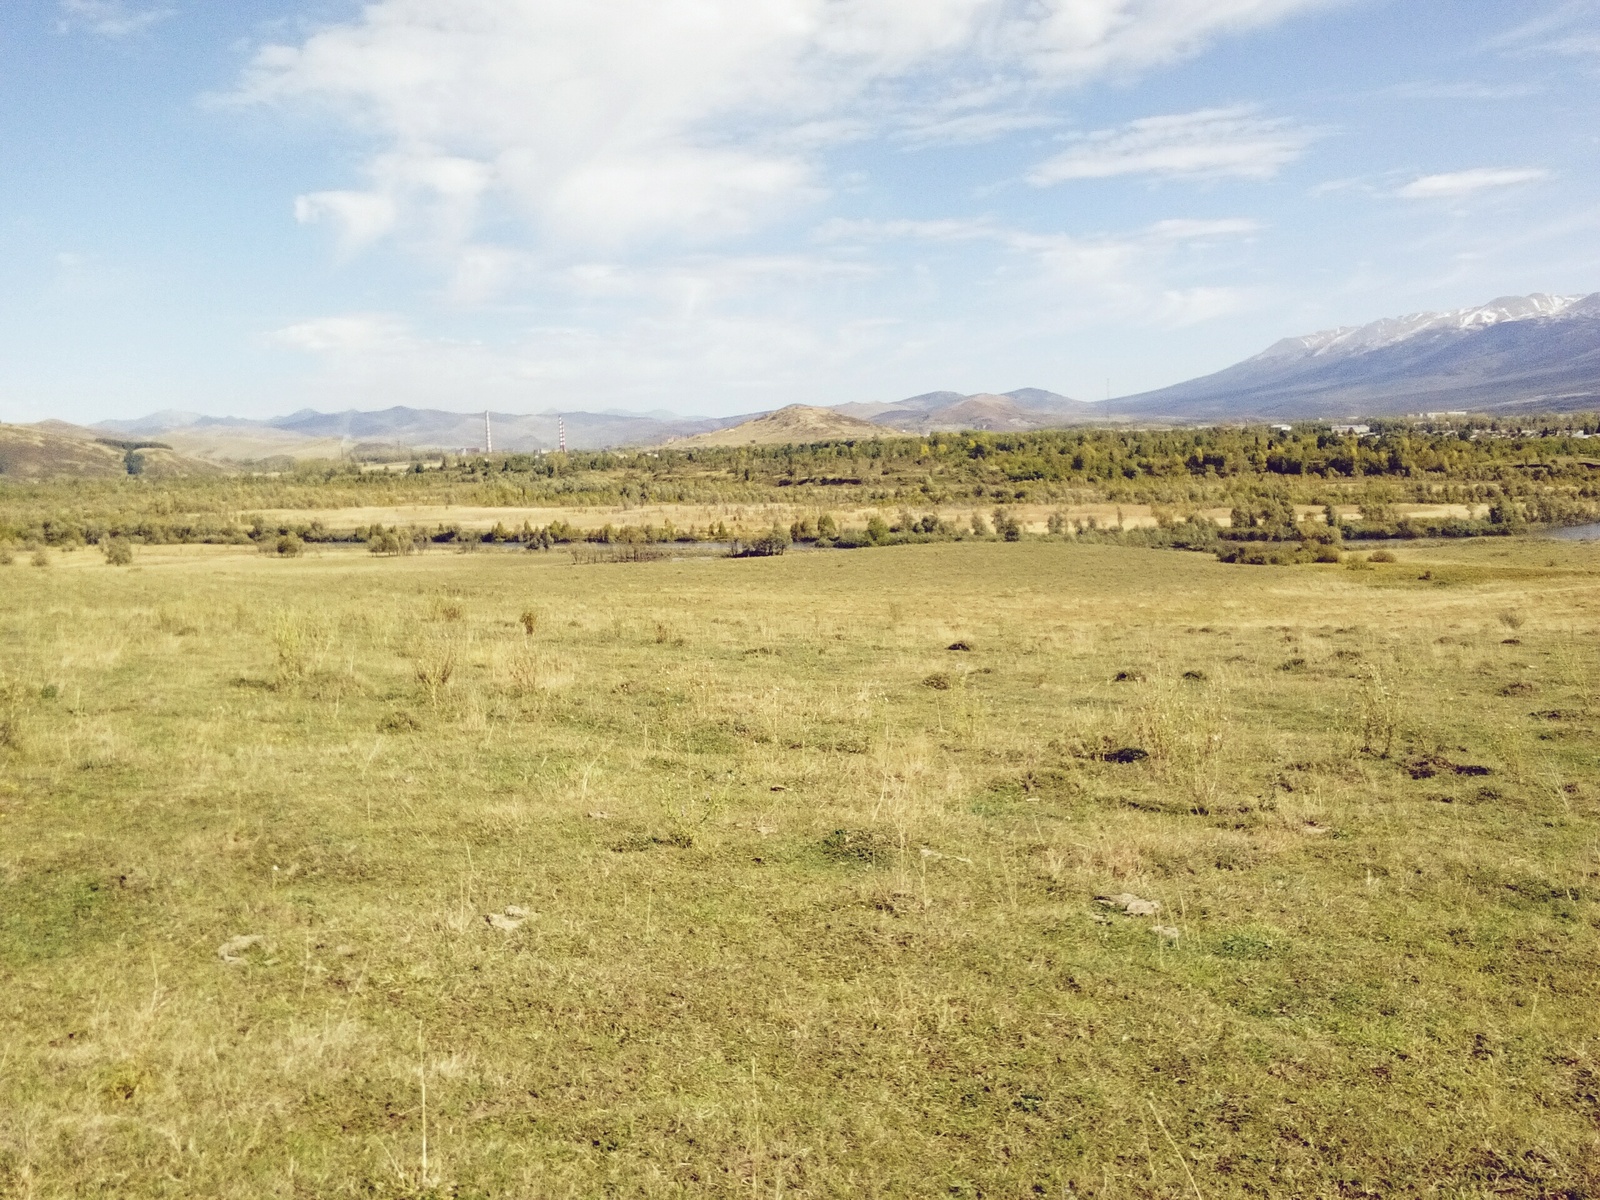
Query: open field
x=788, y=898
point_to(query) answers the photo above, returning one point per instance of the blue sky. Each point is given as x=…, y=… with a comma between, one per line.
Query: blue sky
x=719, y=206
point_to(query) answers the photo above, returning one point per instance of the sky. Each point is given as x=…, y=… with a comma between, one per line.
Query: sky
x=711, y=207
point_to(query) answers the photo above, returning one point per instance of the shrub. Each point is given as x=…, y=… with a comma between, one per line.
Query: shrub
x=1381, y=556
x=529, y=620
x=877, y=530
x=1325, y=554
x=40, y=558
x=769, y=544
x=6, y=557
x=118, y=553
x=286, y=545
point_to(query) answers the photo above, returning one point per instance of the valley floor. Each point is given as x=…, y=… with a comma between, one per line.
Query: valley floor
x=499, y=875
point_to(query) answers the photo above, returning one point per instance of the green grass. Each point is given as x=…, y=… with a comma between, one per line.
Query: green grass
x=801, y=922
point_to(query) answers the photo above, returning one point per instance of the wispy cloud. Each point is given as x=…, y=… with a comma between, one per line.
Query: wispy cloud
x=110, y=18
x=1455, y=184
x=1421, y=89
x=1212, y=143
x=1571, y=29
x=972, y=128
x=1130, y=274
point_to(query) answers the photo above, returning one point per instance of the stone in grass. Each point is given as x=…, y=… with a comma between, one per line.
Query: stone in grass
x=509, y=921
x=1134, y=906
x=233, y=950
x=1165, y=932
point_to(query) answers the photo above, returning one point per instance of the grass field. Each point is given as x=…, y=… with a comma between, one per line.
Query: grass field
x=728, y=878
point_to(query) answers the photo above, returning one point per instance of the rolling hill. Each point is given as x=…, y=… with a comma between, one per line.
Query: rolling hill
x=1026, y=408
x=55, y=448
x=798, y=424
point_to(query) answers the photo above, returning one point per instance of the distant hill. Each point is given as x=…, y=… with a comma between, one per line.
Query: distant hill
x=308, y=434
x=54, y=448
x=1024, y=409
x=1517, y=352
x=798, y=424
x=312, y=434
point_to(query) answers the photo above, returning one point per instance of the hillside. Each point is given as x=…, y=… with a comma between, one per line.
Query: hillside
x=798, y=424
x=54, y=448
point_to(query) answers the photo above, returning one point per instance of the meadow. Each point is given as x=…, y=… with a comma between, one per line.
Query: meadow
x=968, y=869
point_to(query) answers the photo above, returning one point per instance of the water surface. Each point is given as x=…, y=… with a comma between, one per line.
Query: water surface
x=1578, y=533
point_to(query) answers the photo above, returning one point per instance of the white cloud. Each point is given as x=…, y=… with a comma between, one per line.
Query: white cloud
x=608, y=124
x=1210, y=144
x=1185, y=229
x=355, y=333
x=362, y=217
x=110, y=18
x=1455, y=184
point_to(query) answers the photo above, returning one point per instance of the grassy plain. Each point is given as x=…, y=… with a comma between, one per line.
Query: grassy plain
x=810, y=898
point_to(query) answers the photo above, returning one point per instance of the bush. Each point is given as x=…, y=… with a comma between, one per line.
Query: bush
x=1263, y=554
x=290, y=546
x=40, y=558
x=1381, y=556
x=118, y=553
x=770, y=544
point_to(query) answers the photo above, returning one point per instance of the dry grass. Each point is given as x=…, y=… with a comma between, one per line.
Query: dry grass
x=772, y=914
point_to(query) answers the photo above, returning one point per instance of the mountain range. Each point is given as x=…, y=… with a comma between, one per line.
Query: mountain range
x=1517, y=353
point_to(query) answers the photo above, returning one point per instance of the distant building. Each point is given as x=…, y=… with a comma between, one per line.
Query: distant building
x=1358, y=430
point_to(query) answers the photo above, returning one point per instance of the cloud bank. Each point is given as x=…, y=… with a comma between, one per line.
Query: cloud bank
x=693, y=121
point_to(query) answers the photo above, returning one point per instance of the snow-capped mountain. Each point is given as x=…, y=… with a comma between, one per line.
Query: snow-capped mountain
x=1358, y=339
x=1537, y=351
